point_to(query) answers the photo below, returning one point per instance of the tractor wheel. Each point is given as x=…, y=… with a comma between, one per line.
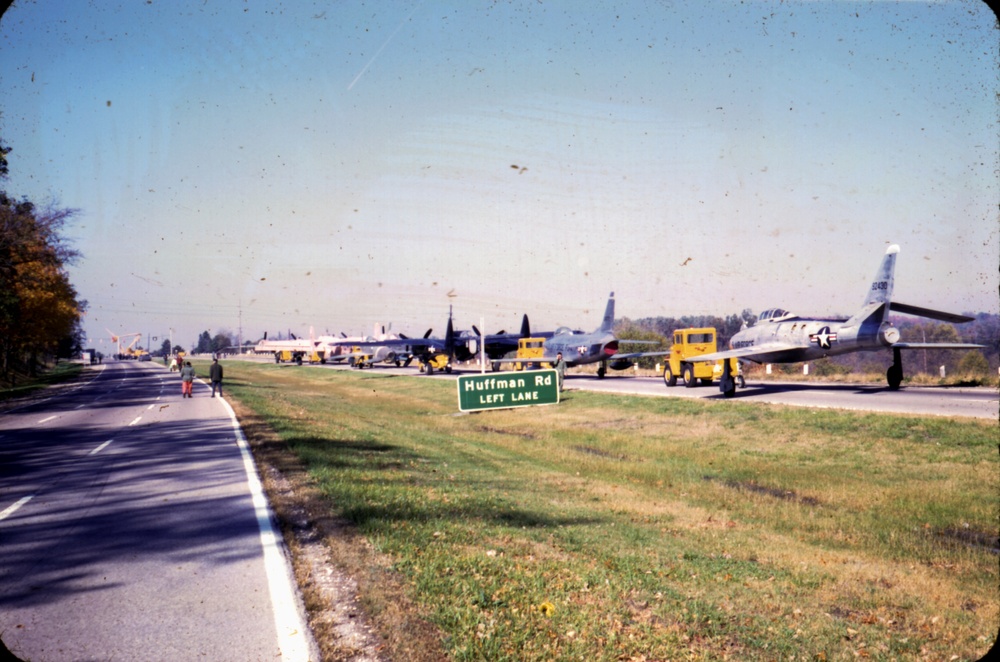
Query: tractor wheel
x=689, y=378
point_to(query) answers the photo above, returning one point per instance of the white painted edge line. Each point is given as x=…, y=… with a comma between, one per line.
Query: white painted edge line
x=294, y=638
x=10, y=510
x=137, y=419
x=100, y=448
x=46, y=420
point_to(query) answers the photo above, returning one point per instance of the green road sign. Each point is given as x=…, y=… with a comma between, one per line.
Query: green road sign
x=508, y=389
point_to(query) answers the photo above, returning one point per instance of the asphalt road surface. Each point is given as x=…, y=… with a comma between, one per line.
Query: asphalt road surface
x=975, y=402
x=132, y=527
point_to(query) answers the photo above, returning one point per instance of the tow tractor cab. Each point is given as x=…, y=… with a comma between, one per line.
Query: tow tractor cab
x=298, y=356
x=528, y=349
x=689, y=343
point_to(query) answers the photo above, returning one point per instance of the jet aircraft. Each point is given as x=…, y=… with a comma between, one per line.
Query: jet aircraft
x=778, y=336
x=597, y=346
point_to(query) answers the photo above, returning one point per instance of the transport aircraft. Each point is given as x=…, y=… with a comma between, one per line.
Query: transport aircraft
x=432, y=353
x=778, y=336
x=295, y=348
x=597, y=346
x=369, y=350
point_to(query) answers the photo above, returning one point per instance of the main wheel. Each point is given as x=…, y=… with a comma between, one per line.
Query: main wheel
x=894, y=375
x=689, y=380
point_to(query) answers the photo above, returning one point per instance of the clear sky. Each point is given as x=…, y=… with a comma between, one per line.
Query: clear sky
x=281, y=165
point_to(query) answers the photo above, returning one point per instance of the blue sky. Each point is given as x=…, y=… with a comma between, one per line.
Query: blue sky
x=294, y=164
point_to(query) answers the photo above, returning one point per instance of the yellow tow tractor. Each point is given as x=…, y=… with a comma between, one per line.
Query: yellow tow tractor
x=693, y=342
x=528, y=349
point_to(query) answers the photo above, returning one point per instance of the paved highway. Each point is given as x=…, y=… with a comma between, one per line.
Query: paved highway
x=923, y=400
x=932, y=400
x=132, y=527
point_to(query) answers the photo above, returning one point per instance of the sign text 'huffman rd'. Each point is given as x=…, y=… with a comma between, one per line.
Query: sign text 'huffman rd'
x=535, y=387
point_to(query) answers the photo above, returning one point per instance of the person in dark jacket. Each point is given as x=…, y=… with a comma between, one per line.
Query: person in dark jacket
x=215, y=375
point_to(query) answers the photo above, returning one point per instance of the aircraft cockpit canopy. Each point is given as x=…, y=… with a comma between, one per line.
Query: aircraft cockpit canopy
x=772, y=315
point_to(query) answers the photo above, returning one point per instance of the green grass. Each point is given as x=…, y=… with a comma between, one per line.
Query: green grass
x=612, y=527
x=48, y=376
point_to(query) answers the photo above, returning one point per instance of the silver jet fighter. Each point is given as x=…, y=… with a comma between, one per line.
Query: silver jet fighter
x=781, y=337
x=597, y=346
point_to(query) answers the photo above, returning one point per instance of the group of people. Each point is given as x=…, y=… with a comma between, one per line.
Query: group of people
x=187, y=377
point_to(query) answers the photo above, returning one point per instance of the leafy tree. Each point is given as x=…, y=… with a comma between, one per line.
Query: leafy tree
x=204, y=345
x=165, y=347
x=221, y=341
x=974, y=364
x=39, y=308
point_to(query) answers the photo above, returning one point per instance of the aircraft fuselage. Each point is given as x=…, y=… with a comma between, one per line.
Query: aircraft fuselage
x=795, y=339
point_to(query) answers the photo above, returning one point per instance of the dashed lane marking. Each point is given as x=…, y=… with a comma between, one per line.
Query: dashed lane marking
x=11, y=509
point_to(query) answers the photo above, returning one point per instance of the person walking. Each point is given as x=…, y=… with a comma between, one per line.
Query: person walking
x=187, y=380
x=560, y=366
x=215, y=375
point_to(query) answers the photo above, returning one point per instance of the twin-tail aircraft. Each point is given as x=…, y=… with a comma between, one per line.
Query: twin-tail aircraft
x=432, y=353
x=598, y=346
x=778, y=336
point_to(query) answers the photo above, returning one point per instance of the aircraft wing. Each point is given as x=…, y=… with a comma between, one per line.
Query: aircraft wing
x=936, y=345
x=742, y=353
x=639, y=355
x=907, y=309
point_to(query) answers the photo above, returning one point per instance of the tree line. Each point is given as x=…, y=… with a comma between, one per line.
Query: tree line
x=40, y=312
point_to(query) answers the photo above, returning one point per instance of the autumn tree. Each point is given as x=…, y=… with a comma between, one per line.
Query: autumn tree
x=39, y=308
x=40, y=313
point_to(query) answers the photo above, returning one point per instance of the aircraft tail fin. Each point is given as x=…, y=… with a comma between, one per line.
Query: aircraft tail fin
x=874, y=310
x=449, y=336
x=608, y=323
x=525, y=327
x=881, y=287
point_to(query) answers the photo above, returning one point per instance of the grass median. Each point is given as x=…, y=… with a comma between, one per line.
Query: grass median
x=614, y=527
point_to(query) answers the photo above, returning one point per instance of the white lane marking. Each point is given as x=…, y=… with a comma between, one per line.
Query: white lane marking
x=151, y=406
x=79, y=406
x=100, y=448
x=137, y=419
x=10, y=510
x=294, y=640
x=46, y=420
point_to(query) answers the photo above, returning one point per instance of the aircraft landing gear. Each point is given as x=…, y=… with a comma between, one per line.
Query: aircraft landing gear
x=603, y=370
x=894, y=375
x=727, y=384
